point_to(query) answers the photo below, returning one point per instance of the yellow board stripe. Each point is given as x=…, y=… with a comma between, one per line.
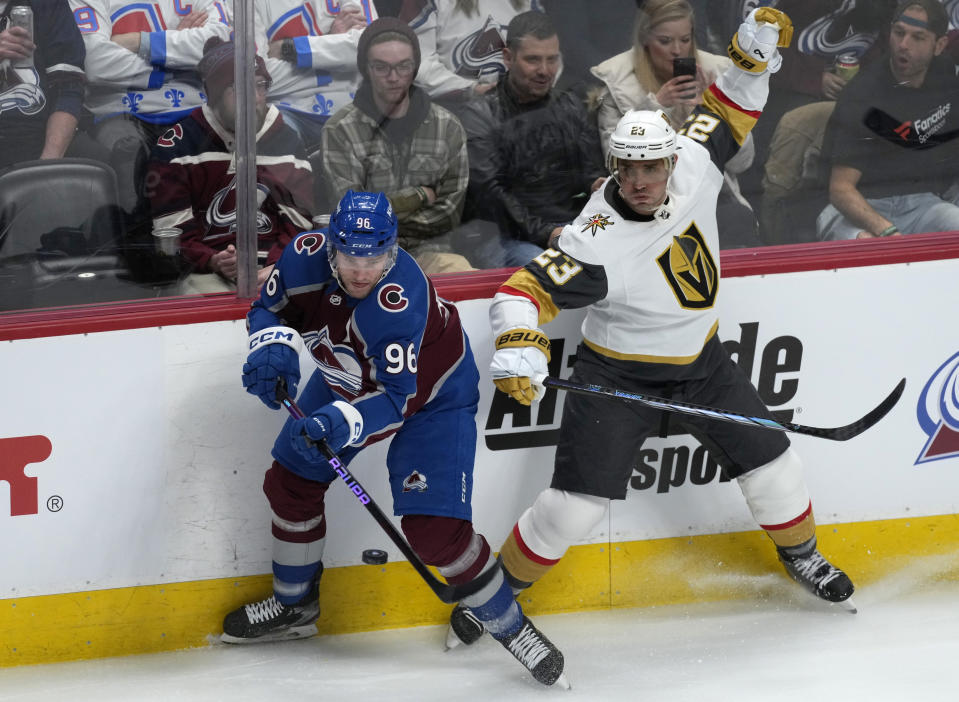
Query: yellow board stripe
x=735, y=566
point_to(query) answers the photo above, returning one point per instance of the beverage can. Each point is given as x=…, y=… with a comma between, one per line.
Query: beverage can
x=22, y=16
x=847, y=65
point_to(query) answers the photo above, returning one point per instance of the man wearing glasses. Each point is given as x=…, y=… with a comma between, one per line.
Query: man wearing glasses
x=393, y=139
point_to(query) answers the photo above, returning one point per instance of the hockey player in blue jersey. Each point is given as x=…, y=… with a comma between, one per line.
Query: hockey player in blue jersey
x=393, y=361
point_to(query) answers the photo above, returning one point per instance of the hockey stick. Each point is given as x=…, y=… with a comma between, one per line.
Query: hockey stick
x=834, y=433
x=446, y=592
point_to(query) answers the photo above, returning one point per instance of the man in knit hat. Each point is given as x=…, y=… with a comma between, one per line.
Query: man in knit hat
x=191, y=181
x=393, y=139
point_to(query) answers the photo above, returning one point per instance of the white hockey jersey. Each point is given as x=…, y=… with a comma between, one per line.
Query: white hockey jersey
x=162, y=87
x=649, y=283
x=324, y=77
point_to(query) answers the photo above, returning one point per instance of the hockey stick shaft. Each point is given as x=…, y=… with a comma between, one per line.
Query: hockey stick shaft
x=834, y=433
x=446, y=592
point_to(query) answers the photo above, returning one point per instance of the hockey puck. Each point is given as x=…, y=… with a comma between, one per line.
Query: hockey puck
x=374, y=556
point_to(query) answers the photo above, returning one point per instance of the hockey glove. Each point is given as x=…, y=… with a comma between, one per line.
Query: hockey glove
x=519, y=364
x=753, y=47
x=339, y=423
x=274, y=354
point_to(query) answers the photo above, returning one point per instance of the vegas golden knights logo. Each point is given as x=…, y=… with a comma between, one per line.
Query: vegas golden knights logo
x=690, y=270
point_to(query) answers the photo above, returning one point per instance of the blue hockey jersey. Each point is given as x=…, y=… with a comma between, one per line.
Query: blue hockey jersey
x=388, y=354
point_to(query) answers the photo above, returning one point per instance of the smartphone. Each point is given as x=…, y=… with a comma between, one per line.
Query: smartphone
x=684, y=67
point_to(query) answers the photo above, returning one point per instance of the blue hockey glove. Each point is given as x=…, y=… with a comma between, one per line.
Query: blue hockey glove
x=338, y=422
x=274, y=354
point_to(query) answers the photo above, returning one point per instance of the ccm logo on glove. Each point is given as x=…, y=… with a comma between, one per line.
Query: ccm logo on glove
x=275, y=335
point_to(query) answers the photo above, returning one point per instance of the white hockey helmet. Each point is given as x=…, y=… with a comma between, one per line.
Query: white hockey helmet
x=641, y=135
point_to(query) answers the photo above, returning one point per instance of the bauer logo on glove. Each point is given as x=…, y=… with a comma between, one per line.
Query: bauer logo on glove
x=753, y=47
x=516, y=338
x=519, y=361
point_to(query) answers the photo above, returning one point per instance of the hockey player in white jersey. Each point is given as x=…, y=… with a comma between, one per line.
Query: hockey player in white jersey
x=643, y=259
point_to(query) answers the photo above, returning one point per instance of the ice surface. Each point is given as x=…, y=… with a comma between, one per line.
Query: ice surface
x=902, y=645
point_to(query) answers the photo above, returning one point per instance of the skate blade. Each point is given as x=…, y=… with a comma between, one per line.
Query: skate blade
x=452, y=640
x=300, y=632
x=847, y=606
x=563, y=682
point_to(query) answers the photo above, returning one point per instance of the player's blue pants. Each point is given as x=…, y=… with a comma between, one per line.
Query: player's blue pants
x=430, y=459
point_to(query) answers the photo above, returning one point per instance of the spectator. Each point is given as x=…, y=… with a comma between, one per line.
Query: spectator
x=41, y=83
x=310, y=50
x=192, y=178
x=534, y=155
x=825, y=30
x=141, y=72
x=643, y=79
x=393, y=139
x=461, y=42
x=892, y=136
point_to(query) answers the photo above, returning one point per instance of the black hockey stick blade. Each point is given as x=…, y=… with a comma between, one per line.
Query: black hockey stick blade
x=446, y=592
x=834, y=433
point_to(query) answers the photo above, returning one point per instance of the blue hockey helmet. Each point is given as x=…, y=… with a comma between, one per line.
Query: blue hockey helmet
x=363, y=225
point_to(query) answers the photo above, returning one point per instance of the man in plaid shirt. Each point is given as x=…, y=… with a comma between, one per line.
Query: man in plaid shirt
x=393, y=139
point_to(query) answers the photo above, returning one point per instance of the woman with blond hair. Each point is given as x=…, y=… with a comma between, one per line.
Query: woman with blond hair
x=642, y=79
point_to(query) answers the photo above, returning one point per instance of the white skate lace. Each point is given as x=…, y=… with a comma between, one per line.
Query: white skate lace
x=262, y=611
x=809, y=567
x=528, y=648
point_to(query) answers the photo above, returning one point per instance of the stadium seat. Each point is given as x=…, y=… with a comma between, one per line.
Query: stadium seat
x=60, y=234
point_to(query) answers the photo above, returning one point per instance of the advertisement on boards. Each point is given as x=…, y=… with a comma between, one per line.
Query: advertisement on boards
x=135, y=457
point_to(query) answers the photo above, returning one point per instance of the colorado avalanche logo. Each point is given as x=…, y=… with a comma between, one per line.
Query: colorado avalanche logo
x=221, y=214
x=391, y=298
x=481, y=51
x=836, y=33
x=415, y=481
x=20, y=90
x=309, y=243
x=938, y=413
x=337, y=362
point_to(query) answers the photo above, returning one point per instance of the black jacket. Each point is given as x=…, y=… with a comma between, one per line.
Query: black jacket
x=531, y=164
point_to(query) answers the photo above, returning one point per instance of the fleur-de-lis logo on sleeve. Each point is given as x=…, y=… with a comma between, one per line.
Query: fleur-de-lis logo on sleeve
x=322, y=106
x=174, y=96
x=132, y=101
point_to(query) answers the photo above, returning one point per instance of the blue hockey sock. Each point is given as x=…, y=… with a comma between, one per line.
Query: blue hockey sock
x=292, y=583
x=501, y=614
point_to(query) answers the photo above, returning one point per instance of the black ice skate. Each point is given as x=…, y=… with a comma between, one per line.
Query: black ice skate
x=537, y=653
x=465, y=628
x=808, y=568
x=270, y=620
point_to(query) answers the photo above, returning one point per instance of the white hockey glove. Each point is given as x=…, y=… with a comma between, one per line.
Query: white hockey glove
x=753, y=47
x=519, y=364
